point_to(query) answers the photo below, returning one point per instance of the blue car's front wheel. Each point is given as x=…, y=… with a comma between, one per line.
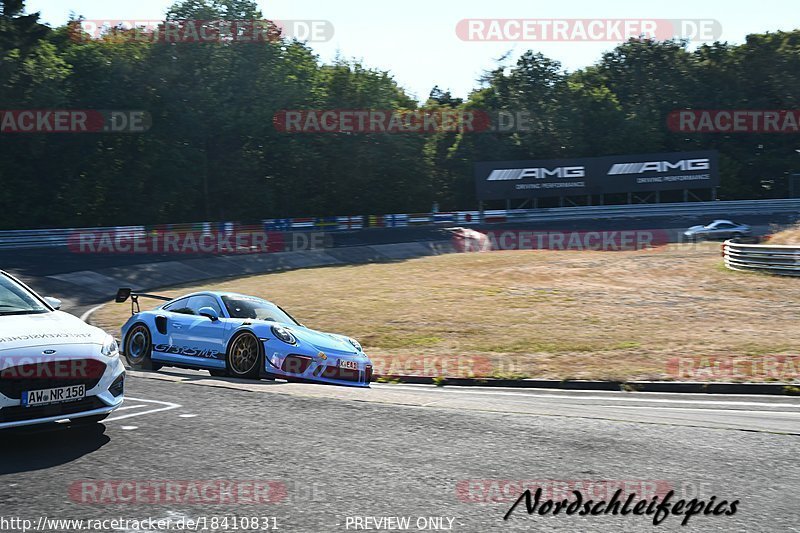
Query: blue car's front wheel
x=244, y=356
x=139, y=348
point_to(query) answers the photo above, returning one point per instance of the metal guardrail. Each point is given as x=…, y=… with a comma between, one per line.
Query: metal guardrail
x=772, y=258
x=786, y=205
x=44, y=238
x=41, y=238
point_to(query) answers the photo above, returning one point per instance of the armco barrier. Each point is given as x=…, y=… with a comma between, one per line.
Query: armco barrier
x=774, y=259
x=44, y=238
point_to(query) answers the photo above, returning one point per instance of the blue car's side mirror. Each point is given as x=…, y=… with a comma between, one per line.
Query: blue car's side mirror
x=209, y=312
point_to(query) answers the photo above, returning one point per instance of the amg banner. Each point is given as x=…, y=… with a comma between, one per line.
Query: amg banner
x=499, y=180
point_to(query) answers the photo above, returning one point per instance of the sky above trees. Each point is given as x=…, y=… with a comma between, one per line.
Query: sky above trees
x=416, y=40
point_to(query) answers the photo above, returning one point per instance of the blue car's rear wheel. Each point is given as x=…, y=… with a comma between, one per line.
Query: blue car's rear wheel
x=139, y=348
x=244, y=356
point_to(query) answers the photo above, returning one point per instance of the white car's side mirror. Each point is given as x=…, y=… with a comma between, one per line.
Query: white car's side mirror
x=55, y=303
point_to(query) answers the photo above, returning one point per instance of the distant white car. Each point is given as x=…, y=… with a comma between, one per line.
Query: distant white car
x=469, y=240
x=718, y=230
x=53, y=366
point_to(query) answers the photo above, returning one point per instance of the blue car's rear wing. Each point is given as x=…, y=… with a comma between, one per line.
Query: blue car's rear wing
x=126, y=292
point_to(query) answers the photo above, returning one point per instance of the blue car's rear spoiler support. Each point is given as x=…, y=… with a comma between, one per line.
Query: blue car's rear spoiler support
x=126, y=292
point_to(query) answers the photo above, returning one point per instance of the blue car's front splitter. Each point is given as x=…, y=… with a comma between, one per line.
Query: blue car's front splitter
x=318, y=380
x=319, y=372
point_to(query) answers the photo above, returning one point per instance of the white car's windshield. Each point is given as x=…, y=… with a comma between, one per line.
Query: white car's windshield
x=256, y=308
x=15, y=300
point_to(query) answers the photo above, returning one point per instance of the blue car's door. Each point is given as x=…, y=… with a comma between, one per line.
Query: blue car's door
x=164, y=346
x=194, y=340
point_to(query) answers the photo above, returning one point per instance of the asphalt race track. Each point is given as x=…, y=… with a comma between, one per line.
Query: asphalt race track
x=412, y=451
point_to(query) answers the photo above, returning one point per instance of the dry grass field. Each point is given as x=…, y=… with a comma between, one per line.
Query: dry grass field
x=787, y=236
x=543, y=314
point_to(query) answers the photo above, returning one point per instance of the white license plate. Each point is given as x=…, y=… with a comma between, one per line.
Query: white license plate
x=51, y=396
x=350, y=365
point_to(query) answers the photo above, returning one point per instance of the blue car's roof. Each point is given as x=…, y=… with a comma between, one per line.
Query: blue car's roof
x=226, y=293
x=220, y=294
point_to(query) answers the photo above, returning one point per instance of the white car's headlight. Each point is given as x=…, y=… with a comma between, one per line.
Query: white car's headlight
x=110, y=347
x=355, y=344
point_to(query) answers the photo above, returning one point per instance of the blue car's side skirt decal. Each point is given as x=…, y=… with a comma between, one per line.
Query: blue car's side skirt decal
x=188, y=361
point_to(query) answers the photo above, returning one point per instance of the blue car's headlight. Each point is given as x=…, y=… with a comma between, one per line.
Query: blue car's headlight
x=355, y=344
x=284, y=335
x=110, y=347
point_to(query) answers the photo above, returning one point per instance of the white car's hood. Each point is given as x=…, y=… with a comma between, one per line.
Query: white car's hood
x=46, y=329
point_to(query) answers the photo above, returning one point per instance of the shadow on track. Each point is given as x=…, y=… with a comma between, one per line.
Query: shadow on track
x=29, y=449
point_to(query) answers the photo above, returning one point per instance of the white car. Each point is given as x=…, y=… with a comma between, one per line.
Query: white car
x=53, y=366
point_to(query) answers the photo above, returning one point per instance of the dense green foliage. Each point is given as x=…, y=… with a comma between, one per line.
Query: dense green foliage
x=213, y=152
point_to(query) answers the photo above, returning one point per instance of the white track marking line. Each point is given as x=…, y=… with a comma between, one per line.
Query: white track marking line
x=581, y=398
x=85, y=316
x=168, y=406
x=731, y=411
x=125, y=407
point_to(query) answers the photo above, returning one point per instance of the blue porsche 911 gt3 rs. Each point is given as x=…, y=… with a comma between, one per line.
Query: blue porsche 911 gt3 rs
x=239, y=336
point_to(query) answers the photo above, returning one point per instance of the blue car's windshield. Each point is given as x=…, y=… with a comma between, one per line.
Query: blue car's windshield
x=256, y=308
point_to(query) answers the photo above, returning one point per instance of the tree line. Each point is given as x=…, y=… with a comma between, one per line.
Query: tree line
x=213, y=152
